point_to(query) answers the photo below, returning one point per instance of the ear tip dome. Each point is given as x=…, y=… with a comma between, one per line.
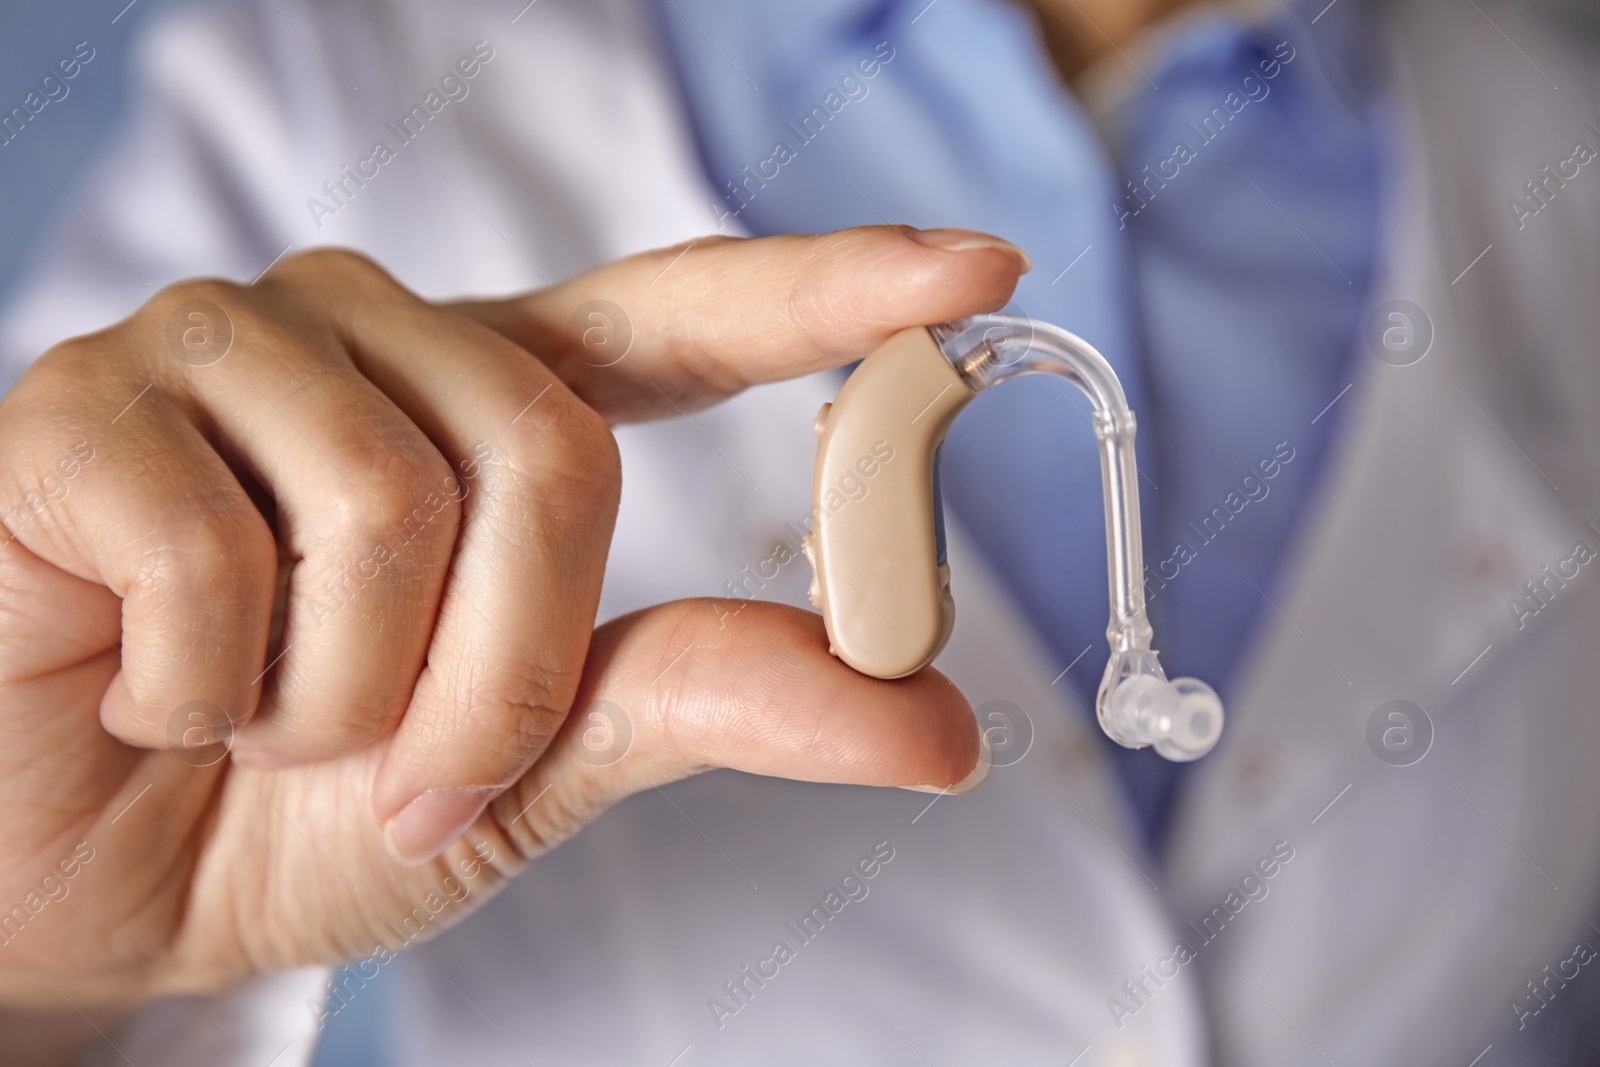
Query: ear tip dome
x=1195, y=725
x=1182, y=719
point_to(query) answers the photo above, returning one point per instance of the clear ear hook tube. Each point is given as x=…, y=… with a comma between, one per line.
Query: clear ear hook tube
x=1136, y=704
x=881, y=579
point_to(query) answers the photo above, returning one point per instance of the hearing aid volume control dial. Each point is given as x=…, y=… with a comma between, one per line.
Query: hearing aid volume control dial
x=820, y=423
x=814, y=590
x=876, y=554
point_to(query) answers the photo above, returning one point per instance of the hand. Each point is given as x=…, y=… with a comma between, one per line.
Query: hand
x=364, y=547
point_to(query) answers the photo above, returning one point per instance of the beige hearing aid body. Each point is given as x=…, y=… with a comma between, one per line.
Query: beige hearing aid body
x=880, y=578
x=877, y=547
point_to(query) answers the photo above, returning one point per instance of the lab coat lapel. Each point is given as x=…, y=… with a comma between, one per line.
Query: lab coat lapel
x=1398, y=588
x=1431, y=521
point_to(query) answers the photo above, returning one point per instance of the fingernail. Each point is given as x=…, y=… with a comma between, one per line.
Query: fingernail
x=966, y=241
x=426, y=826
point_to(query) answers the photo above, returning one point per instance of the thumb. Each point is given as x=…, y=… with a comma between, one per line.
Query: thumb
x=684, y=327
x=697, y=684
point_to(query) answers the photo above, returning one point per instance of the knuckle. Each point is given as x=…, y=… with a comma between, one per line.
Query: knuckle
x=578, y=452
x=210, y=574
x=189, y=319
x=218, y=291
x=401, y=489
x=520, y=711
x=813, y=310
x=48, y=398
x=569, y=467
x=526, y=726
x=331, y=262
x=68, y=360
x=410, y=509
x=346, y=729
x=225, y=555
x=689, y=638
x=235, y=302
x=581, y=428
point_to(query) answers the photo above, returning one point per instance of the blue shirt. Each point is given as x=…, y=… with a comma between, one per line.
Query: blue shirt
x=1220, y=256
x=1224, y=282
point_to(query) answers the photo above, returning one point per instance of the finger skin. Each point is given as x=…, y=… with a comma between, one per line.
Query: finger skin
x=523, y=590
x=699, y=686
x=362, y=503
x=170, y=526
x=153, y=514
x=690, y=686
x=541, y=480
x=764, y=310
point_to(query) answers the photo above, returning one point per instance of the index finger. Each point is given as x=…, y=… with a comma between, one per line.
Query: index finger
x=669, y=331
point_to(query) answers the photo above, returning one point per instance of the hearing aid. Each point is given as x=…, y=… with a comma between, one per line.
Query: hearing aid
x=880, y=576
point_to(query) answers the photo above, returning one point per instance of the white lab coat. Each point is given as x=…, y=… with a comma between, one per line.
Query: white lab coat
x=1418, y=900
